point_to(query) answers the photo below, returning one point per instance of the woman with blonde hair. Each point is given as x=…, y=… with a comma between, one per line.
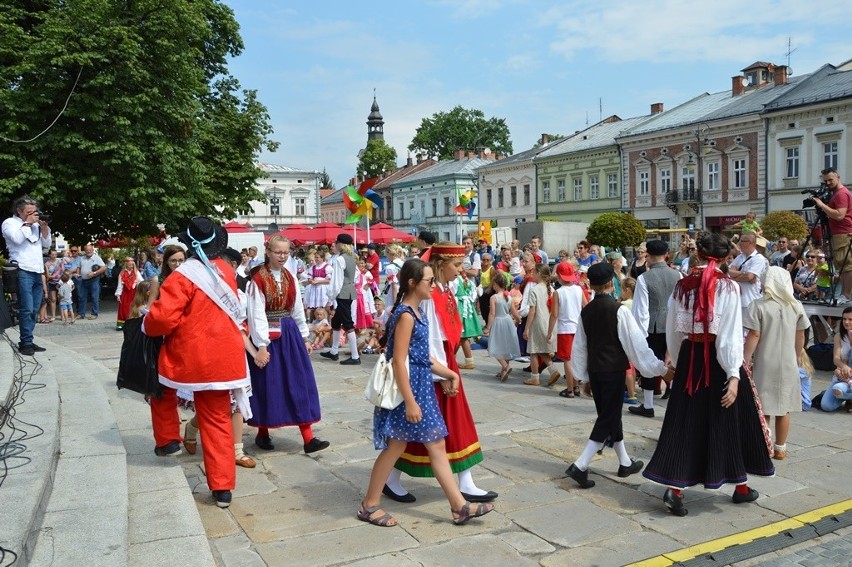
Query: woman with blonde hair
x=396, y=255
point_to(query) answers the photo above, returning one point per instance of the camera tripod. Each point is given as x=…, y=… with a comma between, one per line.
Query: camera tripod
x=821, y=222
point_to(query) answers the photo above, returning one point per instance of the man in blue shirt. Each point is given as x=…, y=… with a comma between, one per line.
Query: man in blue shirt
x=26, y=233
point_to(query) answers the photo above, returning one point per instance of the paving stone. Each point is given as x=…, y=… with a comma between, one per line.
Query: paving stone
x=190, y=551
x=467, y=551
x=553, y=522
x=526, y=543
x=217, y=522
x=524, y=465
x=617, y=550
x=62, y=542
x=170, y=518
x=82, y=482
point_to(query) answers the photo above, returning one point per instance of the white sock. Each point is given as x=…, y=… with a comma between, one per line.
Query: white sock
x=238, y=450
x=335, y=341
x=353, y=344
x=648, y=399
x=467, y=486
x=621, y=453
x=468, y=361
x=583, y=461
x=535, y=377
x=394, y=483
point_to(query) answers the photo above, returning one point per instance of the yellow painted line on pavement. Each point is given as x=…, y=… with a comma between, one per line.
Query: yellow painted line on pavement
x=745, y=537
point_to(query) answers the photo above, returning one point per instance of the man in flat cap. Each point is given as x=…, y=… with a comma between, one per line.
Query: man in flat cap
x=650, y=308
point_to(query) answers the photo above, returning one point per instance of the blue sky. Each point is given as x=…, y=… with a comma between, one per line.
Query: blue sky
x=542, y=65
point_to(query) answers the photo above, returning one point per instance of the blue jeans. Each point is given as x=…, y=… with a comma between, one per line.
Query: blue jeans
x=830, y=402
x=90, y=289
x=30, y=294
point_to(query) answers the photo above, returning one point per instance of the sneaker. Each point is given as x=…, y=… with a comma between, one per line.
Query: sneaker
x=842, y=300
x=522, y=359
x=26, y=350
x=634, y=401
x=38, y=348
x=222, y=498
x=171, y=449
x=91, y=317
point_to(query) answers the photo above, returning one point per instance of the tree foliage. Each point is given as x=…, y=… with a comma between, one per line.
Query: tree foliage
x=784, y=223
x=461, y=128
x=155, y=131
x=550, y=139
x=377, y=158
x=616, y=230
x=325, y=180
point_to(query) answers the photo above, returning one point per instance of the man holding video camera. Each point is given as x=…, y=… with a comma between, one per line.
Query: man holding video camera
x=26, y=232
x=839, y=213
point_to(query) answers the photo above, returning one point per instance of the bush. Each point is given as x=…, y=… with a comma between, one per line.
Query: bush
x=616, y=230
x=786, y=224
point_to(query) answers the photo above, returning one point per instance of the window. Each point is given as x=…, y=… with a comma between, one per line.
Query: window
x=687, y=182
x=740, y=174
x=300, y=206
x=829, y=155
x=578, y=189
x=612, y=185
x=499, y=197
x=526, y=194
x=545, y=191
x=402, y=210
x=448, y=207
x=665, y=180
x=594, y=187
x=488, y=203
x=713, y=176
x=513, y=196
x=560, y=190
x=434, y=207
x=792, y=163
x=644, y=183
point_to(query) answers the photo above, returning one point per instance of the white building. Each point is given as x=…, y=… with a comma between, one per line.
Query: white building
x=292, y=196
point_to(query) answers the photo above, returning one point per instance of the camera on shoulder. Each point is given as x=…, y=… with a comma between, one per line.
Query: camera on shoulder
x=823, y=193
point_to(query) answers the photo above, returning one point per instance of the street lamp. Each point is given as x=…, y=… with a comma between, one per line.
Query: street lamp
x=703, y=142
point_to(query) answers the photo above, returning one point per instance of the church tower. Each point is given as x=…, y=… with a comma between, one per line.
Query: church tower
x=375, y=122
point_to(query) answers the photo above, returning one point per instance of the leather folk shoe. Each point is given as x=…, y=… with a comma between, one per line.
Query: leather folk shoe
x=329, y=355
x=674, y=503
x=406, y=498
x=315, y=445
x=264, y=442
x=641, y=410
x=487, y=497
x=351, y=362
x=582, y=477
x=633, y=468
x=751, y=496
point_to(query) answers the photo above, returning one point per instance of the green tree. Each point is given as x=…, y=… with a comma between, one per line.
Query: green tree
x=784, y=223
x=325, y=180
x=155, y=130
x=616, y=230
x=461, y=128
x=377, y=158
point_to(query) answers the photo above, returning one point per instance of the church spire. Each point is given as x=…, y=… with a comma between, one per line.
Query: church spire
x=375, y=122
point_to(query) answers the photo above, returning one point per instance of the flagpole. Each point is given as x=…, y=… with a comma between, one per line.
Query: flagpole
x=368, y=229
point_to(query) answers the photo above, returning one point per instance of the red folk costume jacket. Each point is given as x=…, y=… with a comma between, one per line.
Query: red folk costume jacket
x=203, y=348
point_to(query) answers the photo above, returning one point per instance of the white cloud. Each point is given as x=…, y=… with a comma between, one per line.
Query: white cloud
x=680, y=31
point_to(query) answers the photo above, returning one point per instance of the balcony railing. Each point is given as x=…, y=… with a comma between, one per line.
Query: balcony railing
x=684, y=195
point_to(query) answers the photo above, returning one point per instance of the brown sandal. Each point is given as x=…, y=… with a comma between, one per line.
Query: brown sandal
x=245, y=461
x=465, y=514
x=366, y=515
x=531, y=382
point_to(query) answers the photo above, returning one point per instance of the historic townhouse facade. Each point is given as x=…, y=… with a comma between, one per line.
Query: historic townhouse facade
x=507, y=189
x=425, y=200
x=579, y=177
x=808, y=130
x=700, y=165
x=292, y=196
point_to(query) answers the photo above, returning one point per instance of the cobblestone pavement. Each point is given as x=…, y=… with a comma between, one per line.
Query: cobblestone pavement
x=832, y=550
x=295, y=509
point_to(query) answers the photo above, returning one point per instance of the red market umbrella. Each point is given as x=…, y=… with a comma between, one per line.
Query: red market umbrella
x=298, y=234
x=234, y=227
x=382, y=233
x=325, y=233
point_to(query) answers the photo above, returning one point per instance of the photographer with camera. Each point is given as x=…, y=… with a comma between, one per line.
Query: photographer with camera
x=839, y=213
x=26, y=232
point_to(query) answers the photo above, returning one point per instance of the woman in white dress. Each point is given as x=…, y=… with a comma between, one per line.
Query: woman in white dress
x=776, y=324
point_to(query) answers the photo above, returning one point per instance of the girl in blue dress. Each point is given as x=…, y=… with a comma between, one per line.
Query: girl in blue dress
x=418, y=419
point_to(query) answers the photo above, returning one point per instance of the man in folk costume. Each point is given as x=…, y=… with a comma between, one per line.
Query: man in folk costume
x=462, y=442
x=341, y=294
x=650, y=307
x=284, y=389
x=616, y=340
x=198, y=314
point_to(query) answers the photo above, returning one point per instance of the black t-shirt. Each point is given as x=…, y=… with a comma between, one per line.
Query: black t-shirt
x=786, y=262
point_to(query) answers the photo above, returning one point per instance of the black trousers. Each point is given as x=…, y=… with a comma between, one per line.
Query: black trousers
x=608, y=393
x=657, y=343
x=343, y=316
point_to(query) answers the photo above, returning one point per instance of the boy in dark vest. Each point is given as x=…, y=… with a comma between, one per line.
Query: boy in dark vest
x=615, y=339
